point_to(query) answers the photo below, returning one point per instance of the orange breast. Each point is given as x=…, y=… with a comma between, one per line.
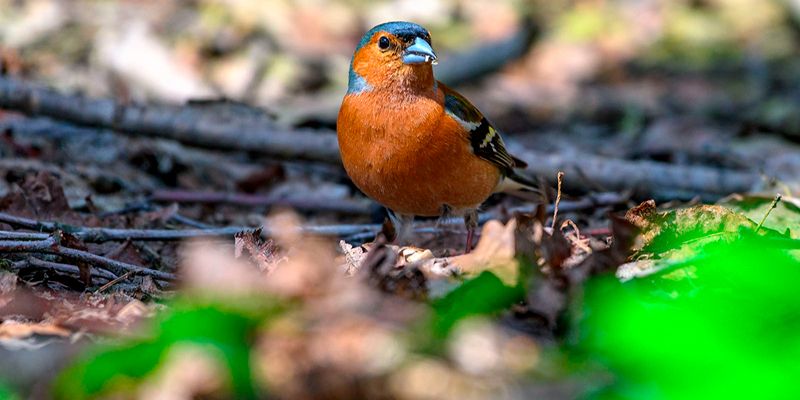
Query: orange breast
x=410, y=156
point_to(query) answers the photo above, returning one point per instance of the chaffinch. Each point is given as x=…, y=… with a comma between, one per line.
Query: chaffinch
x=413, y=144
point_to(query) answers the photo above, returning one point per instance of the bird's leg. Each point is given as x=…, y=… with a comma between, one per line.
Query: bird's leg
x=403, y=226
x=471, y=221
x=445, y=213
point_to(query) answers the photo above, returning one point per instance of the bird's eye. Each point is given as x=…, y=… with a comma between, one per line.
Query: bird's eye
x=383, y=43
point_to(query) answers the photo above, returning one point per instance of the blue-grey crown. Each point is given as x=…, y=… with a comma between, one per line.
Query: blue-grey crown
x=406, y=31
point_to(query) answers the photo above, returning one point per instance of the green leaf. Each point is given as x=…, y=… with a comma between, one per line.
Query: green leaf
x=731, y=333
x=482, y=295
x=784, y=218
x=226, y=328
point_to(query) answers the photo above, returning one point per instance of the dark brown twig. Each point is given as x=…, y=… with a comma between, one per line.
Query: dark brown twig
x=99, y=235
x=6, y=235
x=113, y=282
x=644, y=178
x=560, y=178
x=241, y=128
x=34, y=262
x=772, y=206
x=344, y=206
x=51, y=246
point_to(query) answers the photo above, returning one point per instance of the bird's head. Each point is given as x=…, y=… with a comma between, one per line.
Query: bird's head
x=393, y=55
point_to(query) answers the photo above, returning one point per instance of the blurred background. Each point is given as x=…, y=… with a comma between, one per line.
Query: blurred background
x=291, y=57
x=679, y=81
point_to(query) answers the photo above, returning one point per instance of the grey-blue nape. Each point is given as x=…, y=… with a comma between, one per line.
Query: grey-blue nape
x=356, y=83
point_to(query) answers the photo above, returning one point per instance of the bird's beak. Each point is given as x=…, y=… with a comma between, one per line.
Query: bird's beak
x=419, y=52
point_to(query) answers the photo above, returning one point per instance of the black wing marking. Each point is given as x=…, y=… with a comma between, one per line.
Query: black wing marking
x=485, y=139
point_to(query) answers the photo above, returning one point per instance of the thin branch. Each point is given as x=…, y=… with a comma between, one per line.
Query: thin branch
x=33, y=262
x=113, y=282
x=645, y=178
x=343, y=206
x=769, y=210
x=226, y=128
x=34, y=225
x=99, y=235
x=560, y=178
x=6, y=235
x=145, y=206
x=51, y=246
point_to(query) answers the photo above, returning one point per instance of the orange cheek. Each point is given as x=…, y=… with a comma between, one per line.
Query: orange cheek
x=380, y=69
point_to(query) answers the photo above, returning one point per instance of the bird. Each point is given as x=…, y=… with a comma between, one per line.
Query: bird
x=414, y=145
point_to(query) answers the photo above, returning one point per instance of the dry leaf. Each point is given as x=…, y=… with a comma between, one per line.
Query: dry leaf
x=10, y=329
x=495, y=251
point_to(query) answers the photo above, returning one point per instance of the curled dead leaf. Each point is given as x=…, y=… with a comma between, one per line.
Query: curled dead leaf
x=496, y=251
x=10, y=329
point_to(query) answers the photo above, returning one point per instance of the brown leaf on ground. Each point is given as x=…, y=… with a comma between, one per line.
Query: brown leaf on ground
x=10, y=329
x=23, y=303
x=396, y=271
x=114, y=313
x=261, y=252
x=36, y=196
x=529, y=234
x=8, y=283
x=556, y=249
x=496, y=251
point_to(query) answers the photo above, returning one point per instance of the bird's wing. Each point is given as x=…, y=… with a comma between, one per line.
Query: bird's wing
x=483, y=137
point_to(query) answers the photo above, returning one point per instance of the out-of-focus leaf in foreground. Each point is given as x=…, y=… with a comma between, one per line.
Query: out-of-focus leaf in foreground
x=728, y=330
x=7, y=394
x=483, y=295
x=224, y=330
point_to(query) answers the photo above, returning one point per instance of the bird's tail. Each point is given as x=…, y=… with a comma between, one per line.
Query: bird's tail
x=521, y=186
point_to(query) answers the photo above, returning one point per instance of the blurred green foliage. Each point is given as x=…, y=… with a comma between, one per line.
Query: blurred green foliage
x=483, y=295
x=6, y=393
x=728, y=330
x=227, y=328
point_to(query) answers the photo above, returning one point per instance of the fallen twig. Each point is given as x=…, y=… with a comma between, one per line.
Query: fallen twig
x=769, y=210
x=560, y=178
x=145, y=206
x=344, y=206
x=6, y=235
x=226, y=129
x=34, y=262
x=207, y=163
x=113, y=282
x=99, y=235
x=644, y=178
x=51, y=246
